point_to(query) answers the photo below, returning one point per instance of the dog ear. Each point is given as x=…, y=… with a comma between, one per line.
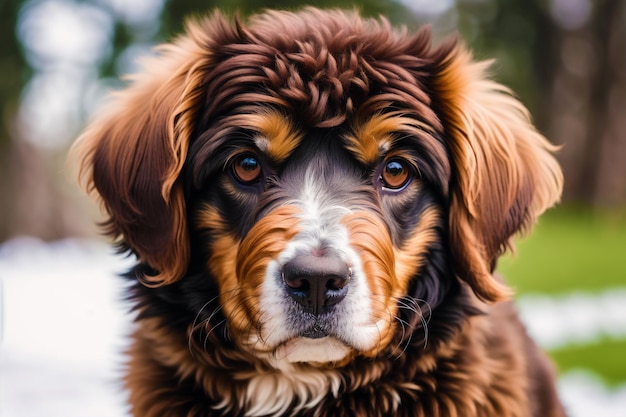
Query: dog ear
x=131, y=157
x=505, y=175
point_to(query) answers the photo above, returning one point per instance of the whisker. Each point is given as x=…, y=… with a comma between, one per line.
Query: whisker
x=413, y=305
x=206, y=338
x=198, y=325
x=206, y=323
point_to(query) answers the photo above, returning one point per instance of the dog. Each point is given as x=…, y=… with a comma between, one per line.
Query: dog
x=317, y=203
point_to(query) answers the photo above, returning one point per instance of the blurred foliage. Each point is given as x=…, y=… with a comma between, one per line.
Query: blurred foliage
x=514, y=33
x=177, y=11
x=13, y=67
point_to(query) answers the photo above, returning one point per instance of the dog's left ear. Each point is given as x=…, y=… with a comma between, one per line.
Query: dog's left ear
x=504, y=172
x=132, y=154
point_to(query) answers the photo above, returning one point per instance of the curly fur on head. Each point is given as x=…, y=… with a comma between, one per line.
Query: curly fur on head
x=317, y=203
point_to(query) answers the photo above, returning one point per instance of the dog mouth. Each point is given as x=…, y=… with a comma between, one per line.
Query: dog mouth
x=315, y=332
x=318, y=326
x=313, y=338
x=306, y=324
x=327, y=338
x=319, y=349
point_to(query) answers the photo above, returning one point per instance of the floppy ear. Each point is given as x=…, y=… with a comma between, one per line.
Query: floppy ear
x=132, y=154
x=505, y=175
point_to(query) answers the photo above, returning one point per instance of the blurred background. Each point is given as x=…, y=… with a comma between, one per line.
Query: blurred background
x=566, y=59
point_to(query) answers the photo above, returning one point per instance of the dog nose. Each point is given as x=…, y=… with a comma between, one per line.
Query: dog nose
x=317, y=282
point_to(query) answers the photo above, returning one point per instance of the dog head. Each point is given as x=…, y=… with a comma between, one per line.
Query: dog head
x=324, y=171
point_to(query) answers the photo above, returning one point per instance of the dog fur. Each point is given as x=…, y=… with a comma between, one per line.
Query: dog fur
x=317, y=203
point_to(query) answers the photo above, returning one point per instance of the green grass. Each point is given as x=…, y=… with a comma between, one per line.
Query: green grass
x=569, y=249
x=605, y=358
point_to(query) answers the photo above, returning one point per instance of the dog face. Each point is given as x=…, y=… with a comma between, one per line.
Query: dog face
x=333, y=179
x=312, y=244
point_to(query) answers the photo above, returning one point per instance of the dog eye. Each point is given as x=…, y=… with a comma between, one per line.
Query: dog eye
x=395, y=174
x=246, y=168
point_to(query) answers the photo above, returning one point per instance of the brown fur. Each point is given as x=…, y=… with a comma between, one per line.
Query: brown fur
x=494, y=168
x=444, y=383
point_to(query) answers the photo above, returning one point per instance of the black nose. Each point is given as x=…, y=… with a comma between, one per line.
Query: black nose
x=316, y=282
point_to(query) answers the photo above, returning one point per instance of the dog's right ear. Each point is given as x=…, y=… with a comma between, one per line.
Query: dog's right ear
x=132, y=154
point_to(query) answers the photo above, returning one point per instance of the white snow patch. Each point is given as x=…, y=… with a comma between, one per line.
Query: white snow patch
x=62, y=326
x=585, y=395
x=575, y=318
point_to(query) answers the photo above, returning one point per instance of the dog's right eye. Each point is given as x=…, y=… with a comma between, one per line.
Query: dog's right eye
x=395, y=174
x=246, y=168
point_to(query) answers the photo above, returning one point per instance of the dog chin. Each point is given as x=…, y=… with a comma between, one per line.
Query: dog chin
x=320, y=350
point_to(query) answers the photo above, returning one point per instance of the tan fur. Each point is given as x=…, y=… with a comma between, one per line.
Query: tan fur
x=279, y=136
x=263, y=243
x=410, y=258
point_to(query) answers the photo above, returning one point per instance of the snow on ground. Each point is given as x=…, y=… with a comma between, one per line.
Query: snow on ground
x=575, y=318
x=63, y=327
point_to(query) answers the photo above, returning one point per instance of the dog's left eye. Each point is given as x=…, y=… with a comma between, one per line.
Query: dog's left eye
x=246, y=168
x=395, y=174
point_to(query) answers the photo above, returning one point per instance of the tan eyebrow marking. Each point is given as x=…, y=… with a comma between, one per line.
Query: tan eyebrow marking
x=374, y=136
x=277, y=136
